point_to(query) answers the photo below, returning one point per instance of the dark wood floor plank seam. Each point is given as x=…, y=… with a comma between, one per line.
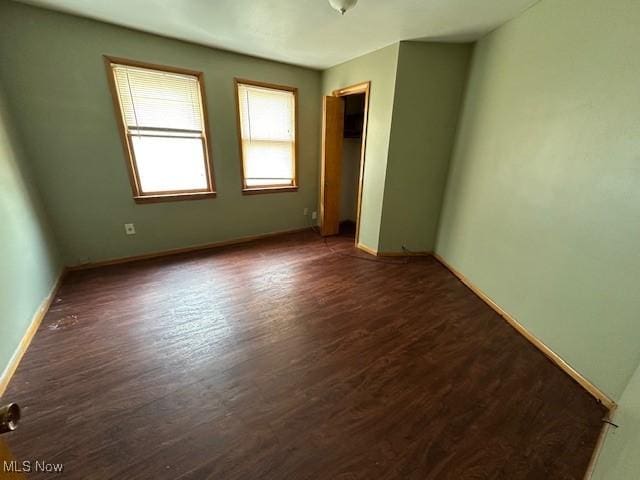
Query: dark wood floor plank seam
x=283, y=359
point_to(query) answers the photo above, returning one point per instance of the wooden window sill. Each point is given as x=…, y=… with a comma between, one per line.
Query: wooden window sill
x=259, y=190
x=174, y=197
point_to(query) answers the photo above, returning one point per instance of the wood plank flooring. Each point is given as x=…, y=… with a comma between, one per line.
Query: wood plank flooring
x=287, y=359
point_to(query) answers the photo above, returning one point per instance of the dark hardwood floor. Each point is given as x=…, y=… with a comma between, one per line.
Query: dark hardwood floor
x=287, y=359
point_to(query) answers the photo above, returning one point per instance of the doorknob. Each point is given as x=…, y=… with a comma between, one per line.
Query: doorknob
x=9, y=417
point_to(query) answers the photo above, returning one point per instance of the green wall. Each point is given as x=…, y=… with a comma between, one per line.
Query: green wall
x=56, y=83
x=542, y=208
x=379, y=67
x=620, y=457
x=29, y=263
x=430, y=82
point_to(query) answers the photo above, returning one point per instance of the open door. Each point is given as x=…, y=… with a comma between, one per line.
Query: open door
x=332, y=128
x=10, y=467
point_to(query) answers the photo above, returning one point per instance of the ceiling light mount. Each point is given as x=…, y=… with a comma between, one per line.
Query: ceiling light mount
x=343, y=5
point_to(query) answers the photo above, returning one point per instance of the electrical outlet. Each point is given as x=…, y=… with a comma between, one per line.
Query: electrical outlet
x=314, y=215
x=306, y=211
x=129, y=229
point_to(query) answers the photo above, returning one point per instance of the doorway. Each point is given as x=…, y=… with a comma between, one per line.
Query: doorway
x=344, y=127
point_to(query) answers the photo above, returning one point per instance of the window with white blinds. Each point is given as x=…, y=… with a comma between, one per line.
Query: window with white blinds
x=267, y=135
x=164, y=128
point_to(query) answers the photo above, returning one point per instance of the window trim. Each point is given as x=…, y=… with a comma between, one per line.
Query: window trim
x=267, y=188
x=166, y=196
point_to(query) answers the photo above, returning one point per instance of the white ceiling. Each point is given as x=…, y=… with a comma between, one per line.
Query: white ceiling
x=302, y=32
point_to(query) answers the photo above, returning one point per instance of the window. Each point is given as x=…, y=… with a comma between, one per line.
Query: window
x=163, y=123
x=267, y=121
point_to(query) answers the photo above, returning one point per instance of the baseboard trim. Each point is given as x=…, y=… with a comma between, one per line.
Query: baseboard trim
x=369, y=250
x=405, y=254
x=554, y=357
x=599, y=444
x=36, y=320
x=178, y=251
x=379, y=253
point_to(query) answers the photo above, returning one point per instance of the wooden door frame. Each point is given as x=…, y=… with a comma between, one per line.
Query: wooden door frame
x=362, y=87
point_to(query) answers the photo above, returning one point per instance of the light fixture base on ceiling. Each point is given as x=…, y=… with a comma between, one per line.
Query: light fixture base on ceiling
x=343, y=5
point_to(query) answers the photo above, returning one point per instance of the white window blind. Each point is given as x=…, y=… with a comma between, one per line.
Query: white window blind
x=163, y=118
x=267, y=130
